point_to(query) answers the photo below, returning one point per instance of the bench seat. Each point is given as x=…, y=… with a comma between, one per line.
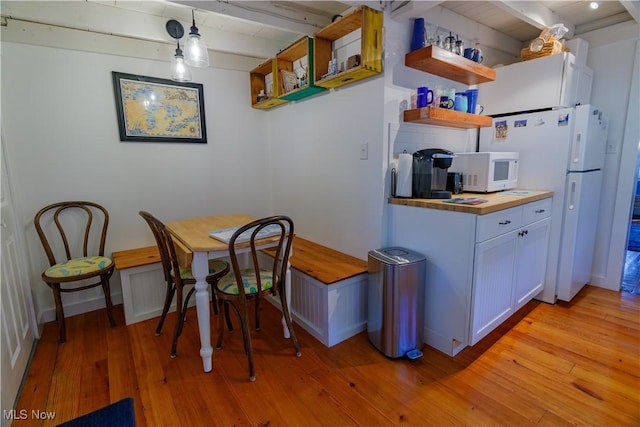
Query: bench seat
x=328, y=291
x=136, y=257
x=142, y=281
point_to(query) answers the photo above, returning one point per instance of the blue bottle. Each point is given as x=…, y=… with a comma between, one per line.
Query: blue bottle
x=418, y=38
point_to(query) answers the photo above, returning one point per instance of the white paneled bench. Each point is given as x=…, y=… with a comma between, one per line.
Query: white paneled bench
x=143, y=284
x=328, y=292
x=328, y=289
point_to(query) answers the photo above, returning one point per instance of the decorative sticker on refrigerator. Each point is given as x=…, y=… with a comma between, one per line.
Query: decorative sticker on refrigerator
x=563, y=119
x=501, y=131
x=520, y=123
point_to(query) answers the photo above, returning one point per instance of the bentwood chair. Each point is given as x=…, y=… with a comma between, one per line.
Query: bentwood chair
x=240, y=285
x=73, y=235
x=178, y=277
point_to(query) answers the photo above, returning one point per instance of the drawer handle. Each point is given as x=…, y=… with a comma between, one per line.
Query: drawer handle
x=504, y=222
x=539, y=210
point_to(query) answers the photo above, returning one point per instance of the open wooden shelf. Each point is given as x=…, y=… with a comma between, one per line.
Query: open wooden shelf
x=285, y=61
x=369, y=21
x=444, y=117
x=257, y=78
x=441, y=62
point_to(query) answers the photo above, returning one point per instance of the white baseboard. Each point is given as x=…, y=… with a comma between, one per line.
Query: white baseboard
x=96, y=303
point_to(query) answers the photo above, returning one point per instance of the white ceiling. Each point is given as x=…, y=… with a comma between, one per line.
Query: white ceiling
x=272, y=25
x=517, y=19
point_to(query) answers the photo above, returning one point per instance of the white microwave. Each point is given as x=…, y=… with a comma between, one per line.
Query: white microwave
x=486, y=172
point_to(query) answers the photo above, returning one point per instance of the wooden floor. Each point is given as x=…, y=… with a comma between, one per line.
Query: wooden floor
x=551, y=365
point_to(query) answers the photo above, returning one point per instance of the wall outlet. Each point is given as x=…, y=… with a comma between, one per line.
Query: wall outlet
x=364, y=151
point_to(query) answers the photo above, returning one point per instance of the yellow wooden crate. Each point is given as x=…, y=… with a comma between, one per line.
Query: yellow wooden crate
x=258, y=83
x=369, y=21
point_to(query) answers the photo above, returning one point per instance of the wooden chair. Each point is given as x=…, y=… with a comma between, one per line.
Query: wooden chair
x=176, y=282
x=241, y=285
x=83, y=240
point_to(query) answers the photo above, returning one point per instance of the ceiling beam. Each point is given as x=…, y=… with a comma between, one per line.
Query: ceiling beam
x=602, y=23
x=264, y=12
x=401, y=10
x=633, y=7
x=534, y=13
x=99, y=18
x=373, y=4
x=451, y=21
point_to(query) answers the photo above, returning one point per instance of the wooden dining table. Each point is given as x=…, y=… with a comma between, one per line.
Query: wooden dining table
x=195, y=248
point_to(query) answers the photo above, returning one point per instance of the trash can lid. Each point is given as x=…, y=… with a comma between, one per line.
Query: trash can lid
x=396, y=255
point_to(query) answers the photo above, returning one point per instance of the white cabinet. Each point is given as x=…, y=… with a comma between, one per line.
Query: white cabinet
x=509, y=265
x=532, y=259
x=480, y=268
x=492, y=300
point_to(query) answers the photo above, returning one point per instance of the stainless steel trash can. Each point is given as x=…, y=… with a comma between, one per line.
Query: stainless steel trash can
x=396, y=295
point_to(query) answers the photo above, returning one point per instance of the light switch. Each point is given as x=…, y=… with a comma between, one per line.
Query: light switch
x=364, y=151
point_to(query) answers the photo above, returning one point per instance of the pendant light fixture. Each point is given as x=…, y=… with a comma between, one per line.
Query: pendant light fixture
x=179, y=70
x=196, y=53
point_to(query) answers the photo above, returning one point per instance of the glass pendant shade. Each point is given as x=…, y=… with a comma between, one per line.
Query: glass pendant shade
x=196, y=53
x=179, y=70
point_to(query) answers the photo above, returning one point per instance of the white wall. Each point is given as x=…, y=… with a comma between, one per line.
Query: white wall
x=612, y=54
x=61, y=134
x=318, y=177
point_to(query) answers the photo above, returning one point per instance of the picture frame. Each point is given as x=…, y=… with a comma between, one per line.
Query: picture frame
x=150, y=109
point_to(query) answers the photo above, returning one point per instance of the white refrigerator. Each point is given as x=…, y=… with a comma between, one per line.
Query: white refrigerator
x=561, y=150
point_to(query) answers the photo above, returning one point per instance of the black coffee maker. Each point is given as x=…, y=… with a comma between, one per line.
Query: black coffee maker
x=430, y=173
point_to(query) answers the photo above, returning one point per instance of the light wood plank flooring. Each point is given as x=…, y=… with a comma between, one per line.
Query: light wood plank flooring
x=550, y=365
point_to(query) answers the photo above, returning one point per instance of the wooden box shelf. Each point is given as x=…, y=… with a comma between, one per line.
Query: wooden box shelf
x=369, y=21
x=441, y=62
x=258, y=81
x=285, y=62
x=444, y=117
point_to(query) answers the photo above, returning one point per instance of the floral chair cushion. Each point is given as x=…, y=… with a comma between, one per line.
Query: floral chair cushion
x=228, y=283
x=78, y=266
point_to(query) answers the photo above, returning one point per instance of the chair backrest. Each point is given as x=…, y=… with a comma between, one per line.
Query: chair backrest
x=278, y=228
x=81, y=226
x=164, y=240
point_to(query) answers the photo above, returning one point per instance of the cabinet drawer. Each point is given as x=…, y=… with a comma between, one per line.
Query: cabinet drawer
x=532, y=212
x=497, y=223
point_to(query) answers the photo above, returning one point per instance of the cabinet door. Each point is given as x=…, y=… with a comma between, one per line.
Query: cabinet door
x=493, y=276
x=531, y=261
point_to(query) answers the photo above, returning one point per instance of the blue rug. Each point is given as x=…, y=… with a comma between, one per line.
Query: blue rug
x=119, y=414
x=634, y=237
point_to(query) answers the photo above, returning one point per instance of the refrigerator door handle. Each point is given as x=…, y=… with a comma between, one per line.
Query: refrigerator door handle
x=572, y=196
x=577, y=147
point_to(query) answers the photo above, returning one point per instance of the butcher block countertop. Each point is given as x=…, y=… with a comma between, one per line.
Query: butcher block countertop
x=496, y=201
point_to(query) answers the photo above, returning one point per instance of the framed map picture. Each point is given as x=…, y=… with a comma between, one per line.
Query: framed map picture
x=159, y=110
